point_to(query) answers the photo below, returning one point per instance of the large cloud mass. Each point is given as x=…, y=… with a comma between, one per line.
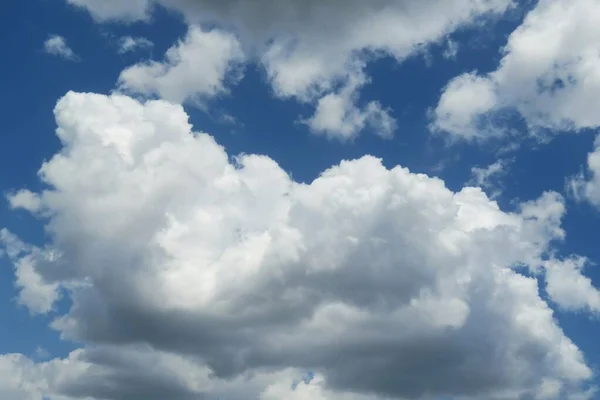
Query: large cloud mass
x=222, y=275
x=314, y=51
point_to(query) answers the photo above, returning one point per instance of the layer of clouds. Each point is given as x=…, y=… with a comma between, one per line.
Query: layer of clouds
x=198, y=67
x=57, y=46
x=383, y=283
x=317, y=51
x=550, y=74
x=140, y=373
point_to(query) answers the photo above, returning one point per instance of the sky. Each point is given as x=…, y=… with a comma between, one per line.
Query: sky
x=299, y=199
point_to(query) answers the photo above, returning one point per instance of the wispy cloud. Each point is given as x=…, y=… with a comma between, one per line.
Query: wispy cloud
x=57, y=46
x=129, y=44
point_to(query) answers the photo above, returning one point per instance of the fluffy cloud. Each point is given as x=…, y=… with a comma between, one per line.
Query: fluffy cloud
x=550, y=74
x=24, y=199
x=57, y=46
x=464, y=106
x=19, y=378
x=383, y=283
x=123, y=373
x=311, y=49
x=196, y=68
x=569, y=288
x=338, y=116
x=38, y=296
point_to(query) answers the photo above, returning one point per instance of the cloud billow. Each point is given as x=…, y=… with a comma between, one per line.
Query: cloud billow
x=237, y=280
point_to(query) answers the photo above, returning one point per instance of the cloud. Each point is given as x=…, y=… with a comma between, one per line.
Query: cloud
x=130, y=10
x=130, y=44
x=569, y=288
x=311, y=49
x=381, y=282
x=586, y=186
x=24, y=199
x=451, y=50
x=488, y=177
x=196, y=68
x=338, y=116
x=550, y=74
x=19, y=378
x=140, y=373
x=464, y=107
x=36, y=294
x=57, y=46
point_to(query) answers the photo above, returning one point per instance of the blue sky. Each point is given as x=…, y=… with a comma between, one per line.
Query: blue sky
x=253, y=101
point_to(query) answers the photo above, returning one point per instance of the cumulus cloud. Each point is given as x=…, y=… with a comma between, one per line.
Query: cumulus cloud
x=381, y=282
x=123, y=373
x=464, y=107
x=338, y=116
x=310, y=49
x=569, y=288
x=129, y=44
x=550, y=74
x=20, y=379
x=57, y=46
x=196, y=68
x=36, y=294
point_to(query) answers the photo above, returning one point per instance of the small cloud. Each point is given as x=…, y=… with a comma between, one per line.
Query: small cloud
x=25, y=199
x=129, y=44
x=42, y=354
x=57, y=46
x=451, y=50
x=198, y=68
x=489, y=177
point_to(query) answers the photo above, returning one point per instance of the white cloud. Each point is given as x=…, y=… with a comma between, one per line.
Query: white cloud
x=198, y=67
x=586, y=186
x=19, y=378
x=382, y=282
x=24, y=199
x=489, y=177
x=57, y=46
x=550, y=74
x=36, y=294
x=464, y=105
x=569, y=288
x=129, y=44
x=310, y=49
x=338, y=116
